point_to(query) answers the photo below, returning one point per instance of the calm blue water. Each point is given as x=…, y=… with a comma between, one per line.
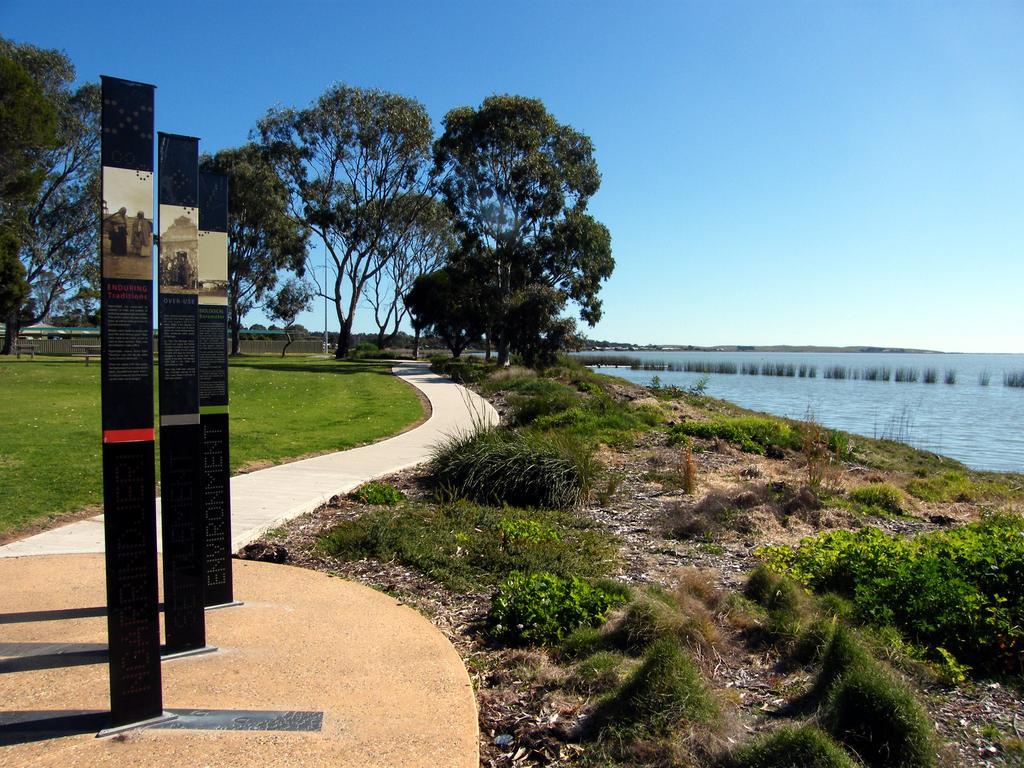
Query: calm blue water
x=982, y=426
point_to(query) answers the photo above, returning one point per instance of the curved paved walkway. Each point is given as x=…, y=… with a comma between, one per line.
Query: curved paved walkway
x=268, y=497
x=393, y=691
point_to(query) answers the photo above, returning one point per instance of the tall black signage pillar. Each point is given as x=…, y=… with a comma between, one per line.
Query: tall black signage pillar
x=180, y=435
x=213, y=384
x=129, y=524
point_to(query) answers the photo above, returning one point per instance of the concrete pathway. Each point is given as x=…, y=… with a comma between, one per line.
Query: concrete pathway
x=268, y=497
x=392, y=690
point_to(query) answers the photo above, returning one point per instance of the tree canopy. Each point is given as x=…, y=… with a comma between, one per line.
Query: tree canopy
x=263, y=238
x=348, y=160
x=517, y=183
x=57, y=221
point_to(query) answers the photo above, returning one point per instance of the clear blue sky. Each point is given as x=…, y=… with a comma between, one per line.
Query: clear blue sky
x=802, y=173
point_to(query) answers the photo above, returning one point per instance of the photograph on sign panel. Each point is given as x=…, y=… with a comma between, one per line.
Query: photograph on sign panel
x=127, y=232
x=179, y=250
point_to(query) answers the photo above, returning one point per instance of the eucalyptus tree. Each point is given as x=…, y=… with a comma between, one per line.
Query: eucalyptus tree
x=263, y=239
x=349, y=160
x=57, y=224
x=446, y=303
x=291, y=300
x=418, y=246
x=517, y=183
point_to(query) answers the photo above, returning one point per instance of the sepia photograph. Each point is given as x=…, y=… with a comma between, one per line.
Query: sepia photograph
x=127, y=232
x=213, y=267
x=179, y=250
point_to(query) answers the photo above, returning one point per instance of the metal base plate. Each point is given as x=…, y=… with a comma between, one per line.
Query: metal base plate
x=244, y=720
x=189, y=652
x=232, y=604
x=165, y=718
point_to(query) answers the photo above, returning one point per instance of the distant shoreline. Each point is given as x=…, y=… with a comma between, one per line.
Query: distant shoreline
x=610, y=347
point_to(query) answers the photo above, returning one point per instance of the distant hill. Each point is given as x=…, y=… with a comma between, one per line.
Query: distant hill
x=626, y=346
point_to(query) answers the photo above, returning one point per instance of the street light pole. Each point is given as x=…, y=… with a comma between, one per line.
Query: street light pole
x=326, y=343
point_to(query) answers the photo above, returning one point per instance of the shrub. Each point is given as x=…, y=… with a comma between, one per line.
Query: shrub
x=378, y=493
x=878, y=717
x=664, y=691
x=503, y=467
x=531, y=398
x=753, y=434
x=804, y=747
x=461, y=369
x=959, y=589
x=882, y=497
x=601, y=420
x=464, y=545
x=955, y=486
x=545, y=608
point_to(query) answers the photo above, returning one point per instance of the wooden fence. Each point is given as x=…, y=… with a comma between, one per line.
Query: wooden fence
x=66, y=346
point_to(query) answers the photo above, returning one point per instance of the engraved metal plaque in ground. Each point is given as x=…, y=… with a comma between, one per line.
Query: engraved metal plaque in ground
x=244, y=720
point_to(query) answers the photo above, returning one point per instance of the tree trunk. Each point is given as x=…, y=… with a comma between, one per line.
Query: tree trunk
x=10, y=331
x=416, y=344
x=287, y=344
x=236, y=337
x=503, y=352
x=344, y=339
x=487, y=347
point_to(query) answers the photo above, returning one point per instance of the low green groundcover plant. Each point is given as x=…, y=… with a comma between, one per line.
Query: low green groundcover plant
x=753, y=434
x=544, y=608
x=500, y=466
x=465, y=545
x=804, y=747
x=961, y=590
x=378, y=493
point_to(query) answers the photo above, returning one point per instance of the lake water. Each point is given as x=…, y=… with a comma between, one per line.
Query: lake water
x=982, y=426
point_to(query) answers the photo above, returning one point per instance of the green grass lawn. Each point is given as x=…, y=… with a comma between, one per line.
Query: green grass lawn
x=280, y=409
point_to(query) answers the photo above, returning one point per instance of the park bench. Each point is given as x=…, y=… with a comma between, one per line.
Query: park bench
x=25, y=346
x=86, y=351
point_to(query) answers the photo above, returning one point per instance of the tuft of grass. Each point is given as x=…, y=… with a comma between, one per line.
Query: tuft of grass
x=789, y=608
x=803, y=747
x=664, y=692
x=496, y=466
x=877, y=717
x=689, y=473
x=466, y=546
x=598, y=673
x=878, y=498
x=950, y=376
x=382, y=494
x=843, y=653
x=656, y=615
x=931, y=375
x=1013, y=379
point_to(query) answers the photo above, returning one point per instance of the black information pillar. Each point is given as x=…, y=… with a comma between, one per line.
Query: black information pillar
x=180, y=435
x=129, y=491
x=213, y=383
